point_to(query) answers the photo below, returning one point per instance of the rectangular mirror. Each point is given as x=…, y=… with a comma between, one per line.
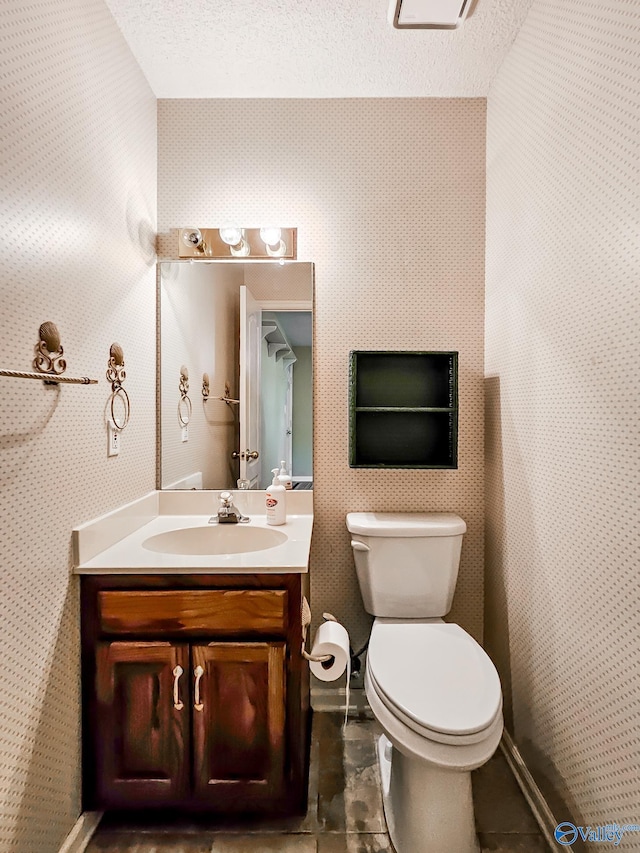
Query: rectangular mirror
x=234, y=373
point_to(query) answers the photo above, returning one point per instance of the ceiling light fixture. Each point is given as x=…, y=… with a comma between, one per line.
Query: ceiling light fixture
x=428, y=14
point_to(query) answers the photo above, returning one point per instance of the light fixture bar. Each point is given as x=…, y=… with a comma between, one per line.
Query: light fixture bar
x=250, y=243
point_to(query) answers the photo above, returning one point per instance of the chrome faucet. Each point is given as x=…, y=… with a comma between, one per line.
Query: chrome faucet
x=227, y=512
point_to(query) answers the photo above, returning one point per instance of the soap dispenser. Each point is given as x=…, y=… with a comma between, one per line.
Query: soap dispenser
x=283, y=478
x=275, y=497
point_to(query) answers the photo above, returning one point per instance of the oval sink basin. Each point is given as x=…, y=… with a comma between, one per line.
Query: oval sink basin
x=218, y=539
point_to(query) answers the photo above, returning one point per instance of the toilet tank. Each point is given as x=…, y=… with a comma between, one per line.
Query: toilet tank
x=407, y=563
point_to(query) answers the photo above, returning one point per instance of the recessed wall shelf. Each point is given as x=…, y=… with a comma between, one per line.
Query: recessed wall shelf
x=403, y=409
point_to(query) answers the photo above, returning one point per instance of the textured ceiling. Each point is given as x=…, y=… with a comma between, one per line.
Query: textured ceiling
x=312, y=48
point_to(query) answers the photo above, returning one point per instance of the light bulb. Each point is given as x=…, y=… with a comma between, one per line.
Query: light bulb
x=278, y=250
x=230, y=234
x=192, y=238
x=241, y=249
x=270, y=236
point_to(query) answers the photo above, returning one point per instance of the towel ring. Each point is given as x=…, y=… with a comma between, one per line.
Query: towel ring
x=124, y=397
x=116, y=375
x=184, y=410
x=184, y=403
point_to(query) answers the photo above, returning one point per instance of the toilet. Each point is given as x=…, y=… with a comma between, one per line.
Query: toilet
x=433, y=689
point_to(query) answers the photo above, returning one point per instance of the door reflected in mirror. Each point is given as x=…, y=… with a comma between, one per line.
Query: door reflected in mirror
x=248, y=327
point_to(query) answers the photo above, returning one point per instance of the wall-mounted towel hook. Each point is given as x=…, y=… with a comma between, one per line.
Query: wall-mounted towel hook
x=116, y=374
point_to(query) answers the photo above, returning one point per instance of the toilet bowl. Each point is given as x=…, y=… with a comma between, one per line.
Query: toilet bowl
x=437, y=697
x=430, y=685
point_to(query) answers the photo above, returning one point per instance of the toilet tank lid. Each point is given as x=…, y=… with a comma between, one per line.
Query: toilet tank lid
x=405, y=523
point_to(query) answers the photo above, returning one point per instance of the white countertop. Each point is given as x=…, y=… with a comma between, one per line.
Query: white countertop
x=113, y=544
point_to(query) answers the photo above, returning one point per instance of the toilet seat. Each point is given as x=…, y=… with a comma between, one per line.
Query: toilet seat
x=434, y=678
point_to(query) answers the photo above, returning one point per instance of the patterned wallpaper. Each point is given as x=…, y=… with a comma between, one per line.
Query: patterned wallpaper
x=388, y=198
x=563, y=392
x=78, y=201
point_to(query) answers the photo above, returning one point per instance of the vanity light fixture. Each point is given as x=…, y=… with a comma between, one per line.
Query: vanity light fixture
x=231, y=241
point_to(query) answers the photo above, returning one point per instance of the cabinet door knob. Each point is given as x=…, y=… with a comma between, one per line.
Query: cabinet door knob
x=197, y=704
x=177, y=704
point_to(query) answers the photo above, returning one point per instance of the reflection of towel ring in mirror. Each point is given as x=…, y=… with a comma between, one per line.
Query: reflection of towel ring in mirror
x=116, y=375
x=184, y=410
x=184, y=403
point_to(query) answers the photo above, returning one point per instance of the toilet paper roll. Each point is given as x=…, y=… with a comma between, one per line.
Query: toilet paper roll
x=331, y=639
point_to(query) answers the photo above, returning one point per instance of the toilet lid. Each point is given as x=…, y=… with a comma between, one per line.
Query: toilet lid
x=435, y=674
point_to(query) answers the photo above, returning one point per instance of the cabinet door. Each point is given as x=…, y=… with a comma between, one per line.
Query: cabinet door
x=239, y=723
x=142, y=725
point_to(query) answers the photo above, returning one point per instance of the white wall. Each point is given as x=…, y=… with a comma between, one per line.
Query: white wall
x=77, y=207
x=563, y=402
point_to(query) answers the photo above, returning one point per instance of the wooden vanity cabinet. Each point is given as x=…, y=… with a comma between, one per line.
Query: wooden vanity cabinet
x=195, y=694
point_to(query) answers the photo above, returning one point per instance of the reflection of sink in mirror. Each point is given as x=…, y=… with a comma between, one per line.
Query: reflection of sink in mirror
x=221, y=539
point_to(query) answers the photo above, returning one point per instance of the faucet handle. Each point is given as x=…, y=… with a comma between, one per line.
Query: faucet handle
x=226, y=498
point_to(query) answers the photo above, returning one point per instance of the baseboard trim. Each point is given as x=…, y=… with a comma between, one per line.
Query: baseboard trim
x=533, y=795
x=82, y=832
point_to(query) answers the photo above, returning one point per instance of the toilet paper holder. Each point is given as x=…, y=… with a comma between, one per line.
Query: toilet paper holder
x=306, y=621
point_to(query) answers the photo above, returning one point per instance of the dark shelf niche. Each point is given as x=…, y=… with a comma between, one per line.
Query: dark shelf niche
x=403, y=409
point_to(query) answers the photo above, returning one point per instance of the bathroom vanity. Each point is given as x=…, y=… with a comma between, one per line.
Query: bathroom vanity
x=195, y=692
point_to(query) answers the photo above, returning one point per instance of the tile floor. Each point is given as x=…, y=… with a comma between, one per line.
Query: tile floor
x=345, y=809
